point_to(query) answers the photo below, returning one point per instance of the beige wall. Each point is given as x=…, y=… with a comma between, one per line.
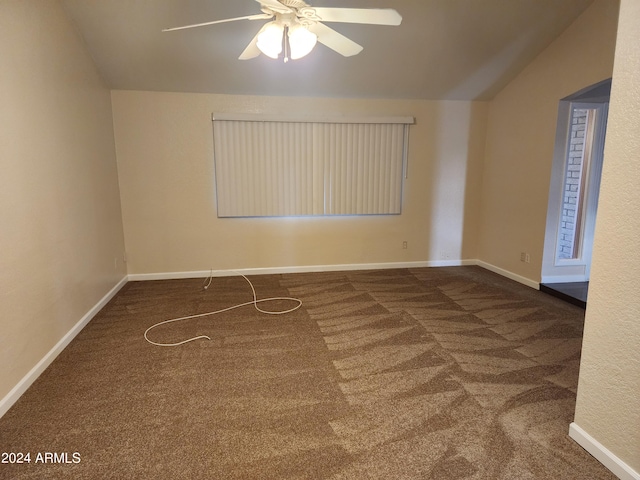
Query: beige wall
x=521, y=134
x=59, y=201
x=165, y=162
x=608, y=403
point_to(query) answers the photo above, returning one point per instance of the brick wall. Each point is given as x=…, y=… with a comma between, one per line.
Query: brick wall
x=572, y=184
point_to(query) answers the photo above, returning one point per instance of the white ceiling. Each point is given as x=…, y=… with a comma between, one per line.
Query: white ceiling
x=444, y=49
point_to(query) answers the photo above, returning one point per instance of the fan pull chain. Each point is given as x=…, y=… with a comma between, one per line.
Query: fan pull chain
x=285, y=39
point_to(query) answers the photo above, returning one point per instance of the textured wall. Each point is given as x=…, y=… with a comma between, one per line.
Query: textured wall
x=59, y=201
x=608, y=404
x=521, y=134
x=165, y=162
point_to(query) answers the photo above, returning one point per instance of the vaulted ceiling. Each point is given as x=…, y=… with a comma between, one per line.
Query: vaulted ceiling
x=444, y=49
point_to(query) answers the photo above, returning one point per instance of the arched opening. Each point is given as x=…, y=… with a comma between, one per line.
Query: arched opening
x=573, y=192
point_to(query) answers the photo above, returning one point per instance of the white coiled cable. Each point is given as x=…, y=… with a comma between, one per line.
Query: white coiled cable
x=253, y=302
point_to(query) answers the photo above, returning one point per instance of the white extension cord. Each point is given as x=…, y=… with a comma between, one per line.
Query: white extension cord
x=253, y=302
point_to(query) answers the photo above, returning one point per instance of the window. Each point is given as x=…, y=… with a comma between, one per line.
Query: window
x=581, y=180
x=576, y=172
x=285, y=167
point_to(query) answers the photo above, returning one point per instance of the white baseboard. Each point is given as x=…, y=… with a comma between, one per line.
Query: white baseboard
x=297, y=269
x=506, y=273
x=16, y=392
x=602, y=454
x=563, y=278
x=134, y=277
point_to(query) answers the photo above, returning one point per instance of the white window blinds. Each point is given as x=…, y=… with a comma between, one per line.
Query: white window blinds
x=278, y=167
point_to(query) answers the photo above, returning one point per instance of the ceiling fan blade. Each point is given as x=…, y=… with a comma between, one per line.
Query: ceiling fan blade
x=275, y=5
x=373, y=16
x=334, y=40
x=260, y=16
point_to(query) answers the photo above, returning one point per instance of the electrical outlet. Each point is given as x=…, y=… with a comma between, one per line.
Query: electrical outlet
x=405, y=245
x=523, y=256
x=527, y=258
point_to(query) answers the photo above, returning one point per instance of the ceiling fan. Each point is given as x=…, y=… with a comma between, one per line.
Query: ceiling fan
x=296, y=26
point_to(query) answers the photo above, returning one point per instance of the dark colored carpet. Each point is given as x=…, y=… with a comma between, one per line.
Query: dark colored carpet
x=443, y=373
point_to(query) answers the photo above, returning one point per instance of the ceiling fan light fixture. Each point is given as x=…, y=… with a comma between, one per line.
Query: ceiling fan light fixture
x=301, y=41
x=270, y=40
x=305, y=27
